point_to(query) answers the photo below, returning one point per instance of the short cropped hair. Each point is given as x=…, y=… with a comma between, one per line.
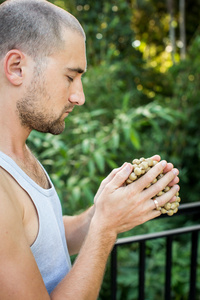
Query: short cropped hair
x=34, y=27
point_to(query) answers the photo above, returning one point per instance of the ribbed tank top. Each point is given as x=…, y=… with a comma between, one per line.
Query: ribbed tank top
x=50, y=248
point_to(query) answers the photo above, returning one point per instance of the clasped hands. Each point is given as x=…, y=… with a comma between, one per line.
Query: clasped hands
x=120, y=208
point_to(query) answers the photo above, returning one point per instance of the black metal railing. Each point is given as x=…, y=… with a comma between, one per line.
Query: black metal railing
x=184, y=209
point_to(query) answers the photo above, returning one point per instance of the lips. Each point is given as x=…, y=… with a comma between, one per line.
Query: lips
x=67, y=112
x=69, y=109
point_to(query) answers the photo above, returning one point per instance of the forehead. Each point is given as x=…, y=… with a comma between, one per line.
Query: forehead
x=73, y=53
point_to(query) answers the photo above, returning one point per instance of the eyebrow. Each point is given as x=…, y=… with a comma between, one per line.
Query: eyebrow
x=77, y=70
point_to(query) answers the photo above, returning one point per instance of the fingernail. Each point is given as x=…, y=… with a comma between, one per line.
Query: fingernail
x=164, y=163
x=128, y=167
x=175, y=171
x=177, y=187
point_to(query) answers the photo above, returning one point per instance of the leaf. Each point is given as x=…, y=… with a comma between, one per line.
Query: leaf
x=85, y=146
x=100, y=161
x=135, y=139
x=88, y=193
x=111, y=163
x=91, y=167
x=115, y=140
x=76, y=193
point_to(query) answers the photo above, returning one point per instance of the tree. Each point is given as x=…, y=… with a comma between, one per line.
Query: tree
x=172, y=37
x=182, y=28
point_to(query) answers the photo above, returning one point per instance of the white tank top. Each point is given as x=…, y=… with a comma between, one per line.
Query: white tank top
x=50, y=248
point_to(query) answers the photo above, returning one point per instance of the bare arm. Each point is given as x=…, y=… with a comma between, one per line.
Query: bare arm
x=19, y=275
x=117, y=208
x=76, y=229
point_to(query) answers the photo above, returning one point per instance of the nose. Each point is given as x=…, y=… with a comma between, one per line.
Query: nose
x=77, y=95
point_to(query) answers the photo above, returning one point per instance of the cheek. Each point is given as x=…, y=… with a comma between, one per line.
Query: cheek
x=61, y=89
x=55, y=94
x=58, y=91
x=64, y=93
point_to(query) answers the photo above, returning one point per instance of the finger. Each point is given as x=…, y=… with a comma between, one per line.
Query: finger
x=166, y=197
x=120, y=176
x=168, y=167
x=152, y=213
x=173, y=199
x=156, y=157
x=112, y=174
x=147, y=178
x=107, y=180
x=174, y=181
x=154, y=189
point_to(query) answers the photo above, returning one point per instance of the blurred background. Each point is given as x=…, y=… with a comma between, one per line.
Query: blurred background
x=142, y=92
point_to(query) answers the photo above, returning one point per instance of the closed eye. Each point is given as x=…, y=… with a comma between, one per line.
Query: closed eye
x=70, y=78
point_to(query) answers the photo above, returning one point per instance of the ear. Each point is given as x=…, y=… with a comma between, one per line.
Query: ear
x=14, y=62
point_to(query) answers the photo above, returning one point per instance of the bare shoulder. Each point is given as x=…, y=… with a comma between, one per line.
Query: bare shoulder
x=6, y=190
x=19, y=275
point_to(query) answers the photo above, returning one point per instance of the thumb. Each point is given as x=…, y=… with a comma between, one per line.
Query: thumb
x=121, y=176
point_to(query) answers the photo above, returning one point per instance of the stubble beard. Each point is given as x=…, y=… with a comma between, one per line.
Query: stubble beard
x=31, y=111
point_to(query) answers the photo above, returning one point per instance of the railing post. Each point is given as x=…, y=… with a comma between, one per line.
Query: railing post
x=142, y=271
x=168, y=268
x=114, y=273
x=193, y=265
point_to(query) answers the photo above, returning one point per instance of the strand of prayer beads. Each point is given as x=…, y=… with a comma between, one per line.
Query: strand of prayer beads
x=142, y=166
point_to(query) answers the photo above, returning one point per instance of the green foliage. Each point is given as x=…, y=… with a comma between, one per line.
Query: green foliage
x=181, y=140
x=188, y=80
x=108, y=23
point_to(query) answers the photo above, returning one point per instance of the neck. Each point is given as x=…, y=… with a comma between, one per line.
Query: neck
x=13, y=135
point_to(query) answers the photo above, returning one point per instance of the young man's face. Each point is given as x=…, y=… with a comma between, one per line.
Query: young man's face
x=54, y=91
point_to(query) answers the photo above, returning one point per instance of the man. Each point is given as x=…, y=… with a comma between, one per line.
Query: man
x=42, y=58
